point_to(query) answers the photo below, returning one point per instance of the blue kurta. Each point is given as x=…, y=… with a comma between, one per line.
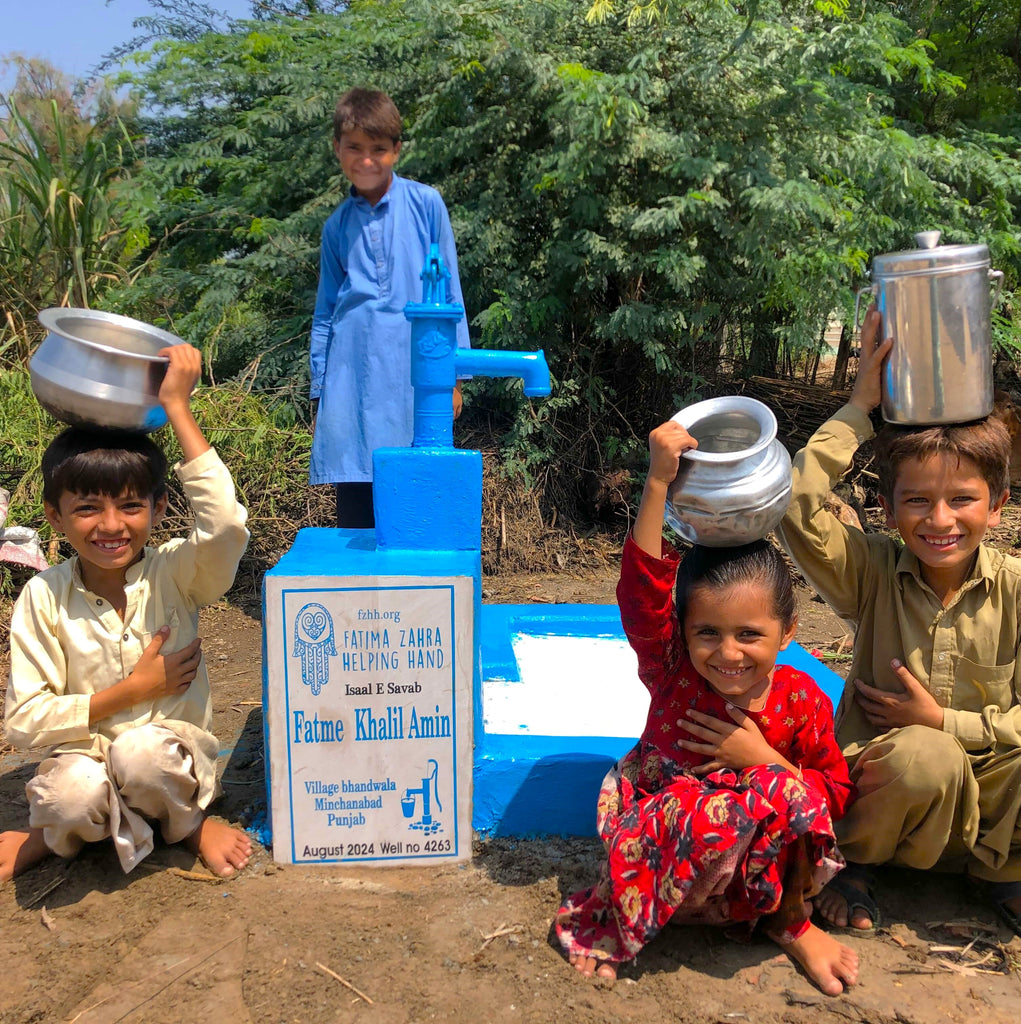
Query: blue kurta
x=370, y=266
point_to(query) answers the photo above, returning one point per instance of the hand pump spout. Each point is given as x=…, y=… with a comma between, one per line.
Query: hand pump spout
x=482, y=362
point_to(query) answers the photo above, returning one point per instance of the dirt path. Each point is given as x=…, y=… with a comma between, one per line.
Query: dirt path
x=83, y=942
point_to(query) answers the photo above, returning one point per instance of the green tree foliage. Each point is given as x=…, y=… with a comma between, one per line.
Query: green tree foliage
x=979, y=42
x=642, y=195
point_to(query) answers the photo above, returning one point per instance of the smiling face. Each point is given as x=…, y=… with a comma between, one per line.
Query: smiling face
x=942, y=508
x=367, y=162
x=733, y=636
x=107, y=533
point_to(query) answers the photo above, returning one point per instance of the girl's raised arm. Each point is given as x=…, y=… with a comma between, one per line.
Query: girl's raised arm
x=666, y=445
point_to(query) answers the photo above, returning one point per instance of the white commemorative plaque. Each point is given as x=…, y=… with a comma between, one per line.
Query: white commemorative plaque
x=369, y=714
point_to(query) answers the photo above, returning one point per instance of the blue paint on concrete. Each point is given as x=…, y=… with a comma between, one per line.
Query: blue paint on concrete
x=427, y=500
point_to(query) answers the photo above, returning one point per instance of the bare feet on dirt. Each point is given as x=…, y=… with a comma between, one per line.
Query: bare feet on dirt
x=833, y=907
x=589, y=965
x=224, y=850
x=19, y=850
x=830, y=964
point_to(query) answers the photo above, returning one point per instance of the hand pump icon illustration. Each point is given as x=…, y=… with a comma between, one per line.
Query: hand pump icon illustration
x=424, y=824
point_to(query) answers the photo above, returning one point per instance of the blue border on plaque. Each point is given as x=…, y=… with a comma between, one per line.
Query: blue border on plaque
x=284, y=592
x=330, y=553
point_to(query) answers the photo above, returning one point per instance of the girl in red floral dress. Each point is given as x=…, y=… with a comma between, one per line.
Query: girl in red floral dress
x=723, y=813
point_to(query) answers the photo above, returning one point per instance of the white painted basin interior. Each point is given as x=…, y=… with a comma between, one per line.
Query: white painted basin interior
x=568, y=686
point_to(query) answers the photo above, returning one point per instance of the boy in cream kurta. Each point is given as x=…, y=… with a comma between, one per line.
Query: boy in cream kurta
x=930, y=718
x=106, y=663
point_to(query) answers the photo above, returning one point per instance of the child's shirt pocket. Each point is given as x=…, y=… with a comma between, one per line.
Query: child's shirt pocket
x=978, y=686
x=144, y=637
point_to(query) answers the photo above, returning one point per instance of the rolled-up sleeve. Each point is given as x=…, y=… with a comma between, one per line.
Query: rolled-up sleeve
x=988, y=728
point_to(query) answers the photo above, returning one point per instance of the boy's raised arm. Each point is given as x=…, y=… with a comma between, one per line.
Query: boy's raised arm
x=867, y=392
x=835, y=558
x=175, y=396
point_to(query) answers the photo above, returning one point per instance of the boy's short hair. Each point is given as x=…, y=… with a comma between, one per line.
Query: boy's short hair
x=369, y=111
x=720, y=568
x=109, y=462
x=985, y=442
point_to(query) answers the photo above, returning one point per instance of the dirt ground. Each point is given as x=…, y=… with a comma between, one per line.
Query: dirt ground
x=84, y=943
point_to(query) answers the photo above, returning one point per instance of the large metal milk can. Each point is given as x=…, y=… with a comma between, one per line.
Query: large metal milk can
x=935, y=302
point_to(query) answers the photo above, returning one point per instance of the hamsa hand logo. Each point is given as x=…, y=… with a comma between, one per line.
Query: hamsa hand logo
x=314, y=644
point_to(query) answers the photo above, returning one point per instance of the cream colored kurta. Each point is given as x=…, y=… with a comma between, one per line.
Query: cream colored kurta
x=67, y=643
x=964, y=654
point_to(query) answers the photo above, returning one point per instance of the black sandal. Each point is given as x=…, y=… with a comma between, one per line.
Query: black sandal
x=996, y=895
x=856, y=899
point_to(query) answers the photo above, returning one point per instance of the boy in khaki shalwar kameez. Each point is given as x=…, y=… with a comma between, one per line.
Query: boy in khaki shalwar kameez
x=106, y=662
x=929, y=719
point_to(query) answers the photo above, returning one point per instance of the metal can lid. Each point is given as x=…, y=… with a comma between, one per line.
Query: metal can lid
x=930, y=257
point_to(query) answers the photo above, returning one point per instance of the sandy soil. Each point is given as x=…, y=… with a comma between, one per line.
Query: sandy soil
x=84, y=943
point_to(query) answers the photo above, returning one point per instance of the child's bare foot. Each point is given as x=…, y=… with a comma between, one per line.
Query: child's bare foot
x=830, y=964
x=19, y=850
x=224, y=850
x=589, y=965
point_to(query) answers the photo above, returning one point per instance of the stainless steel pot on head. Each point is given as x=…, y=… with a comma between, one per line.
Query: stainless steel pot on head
x=735, y=487
x=936, y=304
x=100, y=369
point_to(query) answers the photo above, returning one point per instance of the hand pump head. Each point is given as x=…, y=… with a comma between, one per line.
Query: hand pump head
x=437, y=363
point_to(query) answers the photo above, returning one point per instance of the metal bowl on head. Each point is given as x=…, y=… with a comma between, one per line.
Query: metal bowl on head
x=101, y=369
x=735, y=487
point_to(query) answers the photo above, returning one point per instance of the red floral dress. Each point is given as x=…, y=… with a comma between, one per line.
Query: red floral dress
x=732, y=846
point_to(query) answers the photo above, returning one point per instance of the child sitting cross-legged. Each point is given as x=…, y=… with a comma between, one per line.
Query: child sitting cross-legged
x=722, y=814
x=106, y=662
x=929, y=719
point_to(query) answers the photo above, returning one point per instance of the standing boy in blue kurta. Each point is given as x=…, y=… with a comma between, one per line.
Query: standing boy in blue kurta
x=374, y=247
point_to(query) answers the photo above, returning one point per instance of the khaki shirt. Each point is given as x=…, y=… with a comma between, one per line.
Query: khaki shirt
x=965, y=654
x=68, y=643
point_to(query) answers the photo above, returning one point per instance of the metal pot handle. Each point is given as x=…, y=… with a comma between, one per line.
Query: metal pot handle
x=998, y=274
x=873, y=290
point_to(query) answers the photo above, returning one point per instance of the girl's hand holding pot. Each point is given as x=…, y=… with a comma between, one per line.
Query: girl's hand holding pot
x=667, y=443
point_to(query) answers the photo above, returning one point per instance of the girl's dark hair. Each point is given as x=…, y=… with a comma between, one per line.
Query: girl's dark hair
x=719, y=568
x=110, y=462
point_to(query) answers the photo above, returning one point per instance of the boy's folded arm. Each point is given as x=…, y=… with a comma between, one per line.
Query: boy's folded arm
x=989, y=727
x=44, y=719
x=37, y=711
x=833, y=557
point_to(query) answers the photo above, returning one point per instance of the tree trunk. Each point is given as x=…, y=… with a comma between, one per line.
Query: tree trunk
x=763, y=351
x=843, y=354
